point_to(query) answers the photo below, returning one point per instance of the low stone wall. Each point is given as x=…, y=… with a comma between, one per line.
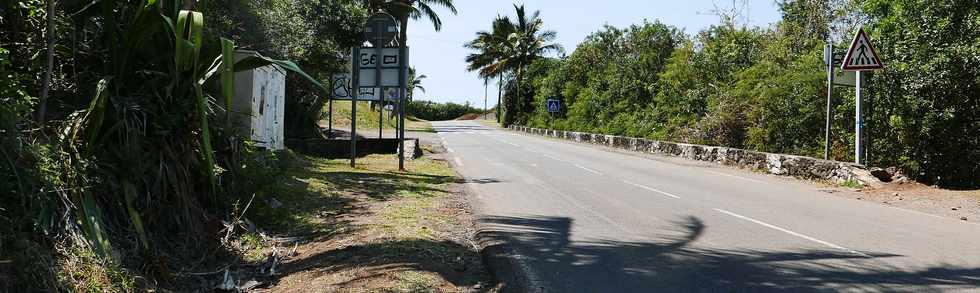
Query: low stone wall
x=779, y=164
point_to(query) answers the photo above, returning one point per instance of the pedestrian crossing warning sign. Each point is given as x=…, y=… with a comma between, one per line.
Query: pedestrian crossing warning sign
x=862, y=55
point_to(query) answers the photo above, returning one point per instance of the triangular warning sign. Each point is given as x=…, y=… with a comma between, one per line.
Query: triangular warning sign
x=862, y=55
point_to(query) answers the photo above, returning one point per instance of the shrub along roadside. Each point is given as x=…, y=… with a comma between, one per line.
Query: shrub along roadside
x=765, y=89
x=433, y=111
x=128, y=183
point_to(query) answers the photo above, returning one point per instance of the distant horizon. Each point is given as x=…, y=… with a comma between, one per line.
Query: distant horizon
x=440, y=55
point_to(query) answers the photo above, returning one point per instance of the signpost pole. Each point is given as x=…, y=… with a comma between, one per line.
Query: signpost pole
x=401, y=109
x=829, y=56
x=381, y=114
x=377, y=75
x=858, y=121
x=330, y=118
x=356, y=87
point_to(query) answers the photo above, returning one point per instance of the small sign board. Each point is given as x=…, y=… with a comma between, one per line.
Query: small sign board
x=342, y=90
x=369, y=60
x=848, y=78
x=861, y=55
x=554, y=105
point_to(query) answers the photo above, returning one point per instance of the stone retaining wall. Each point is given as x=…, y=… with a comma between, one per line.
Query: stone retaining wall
x=779, y=164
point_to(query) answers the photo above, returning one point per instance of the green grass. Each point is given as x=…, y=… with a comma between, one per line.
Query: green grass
x=410, y=281
x=851, y=183
x=313, y=190
x=366, y=118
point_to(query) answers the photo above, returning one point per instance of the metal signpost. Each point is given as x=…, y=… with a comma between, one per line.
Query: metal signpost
x=373, y=70
x=834, y=79
x=861, y=56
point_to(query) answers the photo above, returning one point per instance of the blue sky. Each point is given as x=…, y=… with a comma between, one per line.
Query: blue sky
x=440, y=55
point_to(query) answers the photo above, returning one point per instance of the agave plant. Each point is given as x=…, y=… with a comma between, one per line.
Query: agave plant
x=148, y=132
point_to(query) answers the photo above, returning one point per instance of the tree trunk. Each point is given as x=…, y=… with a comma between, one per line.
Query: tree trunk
x=49, y=67
x=500, y=91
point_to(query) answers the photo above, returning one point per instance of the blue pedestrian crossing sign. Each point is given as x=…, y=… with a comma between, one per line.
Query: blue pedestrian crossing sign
x=554, y=105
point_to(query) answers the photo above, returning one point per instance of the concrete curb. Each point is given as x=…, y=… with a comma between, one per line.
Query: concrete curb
x=777, y=164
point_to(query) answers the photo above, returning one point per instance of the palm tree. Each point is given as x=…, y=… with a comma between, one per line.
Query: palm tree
x=510, y=48
x=492, y=59
x=411, y=9
x=414, y=82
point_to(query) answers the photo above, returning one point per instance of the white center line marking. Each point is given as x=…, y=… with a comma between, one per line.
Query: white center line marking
x=652, y=189
x=552, y=157
x=767, y=225
x=587, y=169
x=733, y=176
x=458, y=162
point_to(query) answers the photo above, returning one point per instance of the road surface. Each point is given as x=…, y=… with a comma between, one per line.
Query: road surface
x=578, y=218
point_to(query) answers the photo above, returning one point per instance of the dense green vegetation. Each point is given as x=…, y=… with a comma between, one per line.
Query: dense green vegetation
x=432, y=111
x=120, y=169
x=765, y=88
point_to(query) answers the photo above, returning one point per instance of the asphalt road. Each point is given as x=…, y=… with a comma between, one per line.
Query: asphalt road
x=578, y=218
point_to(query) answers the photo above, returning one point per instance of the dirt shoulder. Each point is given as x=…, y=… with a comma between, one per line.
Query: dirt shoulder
x=954, y=204
x=371, y=229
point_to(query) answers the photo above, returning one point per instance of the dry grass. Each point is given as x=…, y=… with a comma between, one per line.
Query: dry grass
x=373, y=229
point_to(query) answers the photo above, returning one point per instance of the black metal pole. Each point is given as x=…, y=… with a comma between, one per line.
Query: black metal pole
x=381, y=114
x=355, y=85
x=377, y=75
x=330, y=118
x=401, y=109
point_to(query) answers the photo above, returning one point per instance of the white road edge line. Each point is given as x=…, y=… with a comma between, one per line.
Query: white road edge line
x=652, y=189
x=587, y=169
x=774, y=227
x=458, y=162
x=737, y=177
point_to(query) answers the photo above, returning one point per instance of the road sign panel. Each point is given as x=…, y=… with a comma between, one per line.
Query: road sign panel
x=861, y=55
x=368, y=61
x=381, y=28
x=554, y=105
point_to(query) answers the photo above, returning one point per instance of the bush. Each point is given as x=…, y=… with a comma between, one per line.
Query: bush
x=433, y=111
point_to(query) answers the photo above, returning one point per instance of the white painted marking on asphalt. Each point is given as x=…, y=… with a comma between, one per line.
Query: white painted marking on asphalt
x=767, y=225
x=552, y=157
x=737, y=177
x=458, y=162
x=587, y=169
x=513, y=144
x=652, y=189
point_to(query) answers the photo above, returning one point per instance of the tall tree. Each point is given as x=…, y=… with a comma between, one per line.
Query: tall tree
x=491, y=59
x=526, y=41
x=414, y=82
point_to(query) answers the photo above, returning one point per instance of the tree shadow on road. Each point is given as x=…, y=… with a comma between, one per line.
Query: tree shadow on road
x=672, y=264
